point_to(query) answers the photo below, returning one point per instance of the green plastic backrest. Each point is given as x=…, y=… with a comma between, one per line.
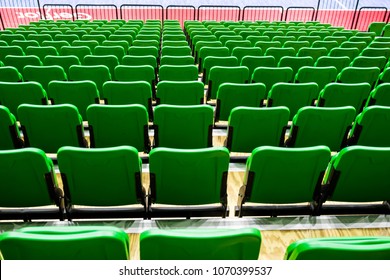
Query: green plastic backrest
x=67, y=37
x=177, y=60
x=314, y=126
x=269, y=122
x=175, y=43
x=39, y=37
x=376, y=27
x=79, y=51
x=320, y=75
x=240, y=52
x=64, y=61
x=211, y=51
x=44, y=74
x=380, y=95
x=11, y=37
x=356, y=167
x=339, y=62
x=350, y=52
x=183, y=127
x=272, y=75
x=213, y=244
x=41, y=52
x=51, y=127
x=180, y=92
x=31, y=189
x=116, y=125
x=366, y=39
x=340, y=248
x=339, y=39
x=57, y=44
x=111, y=61
x=117, y=167
x=19, y=62
x=175, y=51
x=293, y=96
x=99, y=74
x=210, y=187
x=297, y=45
x=212, y=61
x=278, y=53
x=117, y=51
x=322, y=33
x=117, y=37
x=376, y=52
x=65, y=243
x=133, y=60
x=24, y=44
x=369, y=127
x=122, y=44
x=302, y=170
x=265, y=45
x=220, y=74
x=296, y=63
x=315, y=53
x=358, y=45
x=252, y=62
x=78, y=93
x=353, y=75
x=231, y=95
x=143, y=50
x=97, y=37
x=310, y=39
x=379, y=45
x=178, y=73
x=366, y=61
x=10, y=74
x=231, y=44
x=14, y=94
x=384, y=77
x=9, y=131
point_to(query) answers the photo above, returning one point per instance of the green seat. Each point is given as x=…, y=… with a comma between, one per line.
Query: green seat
x=24, y=44
x=223, y=74
x=111, y=61
x=232, y=44
x=224, y=38
x=338, y=39
x=313, y=126
x=211, y=51
x=230, y=95
x=257, y=38
x=180, y=92
x=65, y=61
x=293, y=96
x=296, y=45
x=272, y=75
x=29, y=186
x=216, y=244
x=296, y=62
x=240, y=52
x=10, y=135
x=283, y=39
x=178, y=73
x=367, y=61
x=51, y=127
x=41, y=52
x=302, y=170
x=353, y=75
x=265, y=45
x=11, y=37
x=117, y=51
x=339, y=248
x=252, y=62
x=67, y=37
x=379, y=45
x=183, y=127
x=337, y=95
x=99, y=74
x=384, y=77
x=79, y=51
x=14, y=94
x=66, y=243
x=359, y=45
x=137, y=60
x=117, y=125
x=124, y=44
x=296, y=34
x=376, y=52
x=56, y=44
x=339, y=62
x=80, y=94
x=171, y=169
x=322, y=33
x=310, y=39
x=19, y=62
x=175, y=51
x=177, y=60
x=10, y=50
x=320, y=75
x=366, y=39
x=211, y=61
x=96, y=37
x=350, y=52
x=315, y=53
x=125, y=37
x=369, y=127
x=379, y=96
x=44, y=74
x=40, y=38
x=270, y=123
x=279, y=53
x=349, y=173
x=376, y=27
x=143, y=50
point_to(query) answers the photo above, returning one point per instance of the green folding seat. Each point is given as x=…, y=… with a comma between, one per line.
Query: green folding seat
x=175, y=51
x=174, y=37
x=270, y=123
x=177, y=60
x=296, y=33
x=146, y=43
x=272, y=75
x=40, y=38
x=232, y=44
x=25, y=33
x=379, y=45
x=320, y=75
x=180, y=92
x=201, y=44
x=89, y=37
x=97, y=32
x=29, y=188
x=246, y=34
x=338, y=94
x=272, y=34
x=10, y=50
x=99, y=74
x=376, y=52
x=368, y=128
x=310, y=39
x=11, y=37
x=67, y=37
x=13, y=94
x=123, y=44
x=339, y=62
x=202, y=36
x=66, y=243
x=203, y=195
x=147, y=37
x=224, y=74
x=254, y=39
x=338, y=39
x=178, y=73
x=329, y=45
x=175, y=44
x=384, y=77
x=321, y=33
x=51, y=127
x=351, y=75
x=237, y=244
x=3, y=43
x=64, y=61
x=358, y=45
x=117, y=51
x=111, y=61
x=10, y=74
x=295, y=62
x=116, y=37
x=313, y=126
x=346, y=33
x=302, y=170
x=240, y=52
x=367, y=61
x=79, y=51
x=296, y=45
x=283, y=39
x=79, y=93
x=44, y=74
x=211, y=61
x=349, y=173
x=231, y=95
x=279, y=53
x=315, y=53
x=132, y=32
x=41, y=52
x=224, y=38
x=339, y=248
x=376, y=27
x=131, y=128
x=340, y=52
x=24, y=44
x=366, y=39
x=78, y=32
x=183, y=127
x=19, y=62
x=293, y=96
x=211, y=51
x=56, y=44
x=252, y=62
x=265, y=45
x=143, y=50
x=379, y=96
x=10, y=134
